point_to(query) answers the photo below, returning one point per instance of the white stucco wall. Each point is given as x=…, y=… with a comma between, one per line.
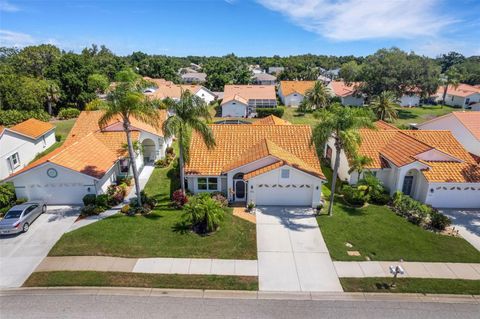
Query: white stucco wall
x=441, y=195
x=409, y=100
x=293, y=99
x=234, y=109
x=205, y=95
x=27, y=149
x=459, y=100
x=343, y=169
x=461, y=133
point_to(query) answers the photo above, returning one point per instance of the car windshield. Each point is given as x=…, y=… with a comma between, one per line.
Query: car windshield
x=13, y=214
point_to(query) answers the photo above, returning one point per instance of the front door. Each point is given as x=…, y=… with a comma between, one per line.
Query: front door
x=407, y=185
x=239, y=190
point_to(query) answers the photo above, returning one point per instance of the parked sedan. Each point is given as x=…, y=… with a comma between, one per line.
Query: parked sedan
x=19, y=218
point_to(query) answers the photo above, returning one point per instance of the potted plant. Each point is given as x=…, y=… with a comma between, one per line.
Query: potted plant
x=250, y=206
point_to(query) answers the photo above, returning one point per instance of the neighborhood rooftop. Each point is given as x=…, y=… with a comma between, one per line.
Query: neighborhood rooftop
x=249, y=92
x=300, y=87
x=462, y=90
x=341, y=88
x=32, y=128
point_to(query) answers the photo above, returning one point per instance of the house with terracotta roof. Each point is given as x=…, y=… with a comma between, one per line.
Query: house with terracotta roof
x=429, y=165
x=463, y=95
x=243, y=100
x=348, y=93
x=465, y=126
x=270, y=162
x=90, y=160
x=20, y=144
x=194, y=77
x=163, y=89
x=264, y=79
x=292, y=93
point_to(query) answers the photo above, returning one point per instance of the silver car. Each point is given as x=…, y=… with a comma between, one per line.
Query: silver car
x=19, y=218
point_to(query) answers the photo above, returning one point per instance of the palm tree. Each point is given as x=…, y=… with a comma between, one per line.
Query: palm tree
x=316, y=97
x=358, y=164
x=188, y=113
x=127, y=101
x=451, y=77
x=384, y=106
x=53, y=95
x=340, y=124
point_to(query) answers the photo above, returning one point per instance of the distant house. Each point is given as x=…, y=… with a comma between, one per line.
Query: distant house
x=465, y=126
x=243, y=100
x=255, y=69
x=410, y=98
x=264, y=79
x=276, y=69
x=475, y=106
x=166, y=89
x=20, y=144
x=332, y=74
x=292, y=93
x=194, y=77
x=463, y=95
x=324, y=79
x=348, y=94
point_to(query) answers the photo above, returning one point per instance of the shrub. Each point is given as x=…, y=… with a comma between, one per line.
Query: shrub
x=125, y=209
x=12, y=117
x=20, y=200
x=380, y=198
x=439, y=221
x=125, y=180
x=7, y=194
x=179, y=199
x=89, y=199
x=250, y=206
x=68, y=113
x=220, y=197
x=170, y=151
x=58, y=137
x=203, y=213
x=102, y=201
x=264, y=112
x=161, y=163
x=91, y=210
x=354, y=196
x=147, y=202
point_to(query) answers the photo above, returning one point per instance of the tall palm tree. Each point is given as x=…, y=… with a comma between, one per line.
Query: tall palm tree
x=384, y=106
x=452, y=78
x=358, y=164
x=340, y=124
x=316, y=97
x=53, y=95
x=127, y=101
x=188, y=113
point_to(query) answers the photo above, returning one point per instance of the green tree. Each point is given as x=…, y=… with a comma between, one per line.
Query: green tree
x=127, y=101
x=316, y=98
x=450, y=59
x=370, y=185
x=340, y=124
x=203, y=212
x=451, y=78
x=188, y=115
x=53, y=95
x=384, y=106
x=350, y=72
x=98, y=82
x=358, y=164
x=35, y=60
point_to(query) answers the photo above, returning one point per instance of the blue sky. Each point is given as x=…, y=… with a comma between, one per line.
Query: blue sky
x=245, y=27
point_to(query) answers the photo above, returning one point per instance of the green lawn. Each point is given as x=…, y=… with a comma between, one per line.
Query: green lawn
x=412, y=285
x=122, y=279
x=376, y=232
x=421, y=114
x=160, y=234
x=62, y=129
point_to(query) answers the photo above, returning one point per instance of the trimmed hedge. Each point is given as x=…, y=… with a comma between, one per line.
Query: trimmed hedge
x=12, y=117
x=264, y=112
x=68, y=113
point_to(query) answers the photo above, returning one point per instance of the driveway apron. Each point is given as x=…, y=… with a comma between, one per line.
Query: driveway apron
x=292, y=255
x=467, y=222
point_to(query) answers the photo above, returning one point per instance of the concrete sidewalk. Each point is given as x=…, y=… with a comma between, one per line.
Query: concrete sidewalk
x=412, y=269
x=186, y=266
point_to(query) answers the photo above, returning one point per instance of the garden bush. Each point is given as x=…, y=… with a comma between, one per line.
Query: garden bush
x=125, y=209
x=221, y=198
x=354, y=196
x=102, y=201
x=91, y=210
x=203, y=213
x=7, y=195
x=12, y=117
x=438, y=220
x=380, y=198
x=264, y=112
x=179, y=199
x=68, y=113
x=89, y=199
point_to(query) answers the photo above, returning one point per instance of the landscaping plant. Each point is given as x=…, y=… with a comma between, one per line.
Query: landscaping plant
x=179, y=198
x=203, y=213
x=68, y=113
x=220, y=197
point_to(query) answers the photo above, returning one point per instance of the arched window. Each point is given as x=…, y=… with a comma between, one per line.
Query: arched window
x=238, y=176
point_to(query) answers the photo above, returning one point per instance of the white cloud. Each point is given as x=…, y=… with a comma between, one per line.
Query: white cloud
x=6, y=6
x=15, y=39
x=363, y=19
x=438, y=46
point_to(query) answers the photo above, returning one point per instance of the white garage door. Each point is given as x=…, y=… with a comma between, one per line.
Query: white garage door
x=454, y=198
x=57, y=193
x=288, y=195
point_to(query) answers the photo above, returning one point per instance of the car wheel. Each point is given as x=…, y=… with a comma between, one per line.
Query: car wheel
x=26, y=226
x=44, y=208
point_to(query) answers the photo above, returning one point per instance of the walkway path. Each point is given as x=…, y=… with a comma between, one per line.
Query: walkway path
x=143, y=179
x=412, y=269
x=187, y=266
x=292, y=255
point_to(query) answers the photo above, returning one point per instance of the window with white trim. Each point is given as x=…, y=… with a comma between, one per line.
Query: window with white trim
x=207, y=183
x=14, y=160
x=285, y=173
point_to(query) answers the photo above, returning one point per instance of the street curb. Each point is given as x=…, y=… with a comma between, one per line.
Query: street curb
x=243, y=295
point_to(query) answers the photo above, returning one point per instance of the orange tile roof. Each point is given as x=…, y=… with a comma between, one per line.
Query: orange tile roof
x=340, y=88
x=168, y=89
x=249, y=92
x=471, y=120
x=262, y=170
x=402, y=146
x=300, y=87
x=1, y=129
x=236, y=142
x=32, y=128
x=381, y=125
x=271, y=120
x=462, y=90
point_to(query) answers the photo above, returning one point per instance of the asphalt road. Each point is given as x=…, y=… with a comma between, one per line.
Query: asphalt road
x=122, y=306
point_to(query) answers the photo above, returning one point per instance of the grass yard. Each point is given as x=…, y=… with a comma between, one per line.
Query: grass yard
x=63, y=127
x=295, y=117
x=412, y=285
x=159, y=234
x=377, y=232
x=122, y=279
x=421, y=114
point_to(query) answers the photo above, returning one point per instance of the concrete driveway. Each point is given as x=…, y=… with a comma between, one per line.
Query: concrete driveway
x=20, y=254
x=468, y=224
x=292, y=255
